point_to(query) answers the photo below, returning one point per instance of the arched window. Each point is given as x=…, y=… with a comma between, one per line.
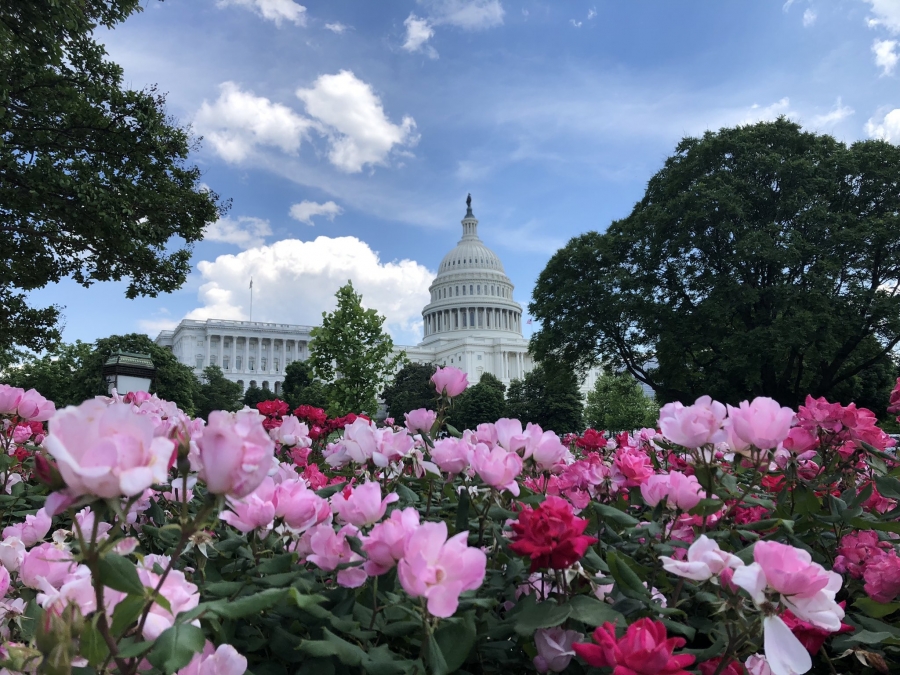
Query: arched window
x=266, y=385
x=464, y=290
x=226, y=362
x=457, y=290
x=238, y=360
x=278, y=388
x=470, y=289
x=479, y=289
x=241, y=383
x=252, y=383
x=199, y=360
x=252, y=363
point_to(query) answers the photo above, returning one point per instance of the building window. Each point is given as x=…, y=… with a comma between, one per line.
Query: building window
x=479, y=289
x=472, y=317
x=226, y=361
x=252, y=383
x=276, y=364
x=263, y=363
x=479, y=357
x=199, y=360
x=252, y=362
x=266, y=385
x=451, y=360
x=471, y=288
x=457, y=290
x=213, y=359
x=237, y=362
x=241, y=384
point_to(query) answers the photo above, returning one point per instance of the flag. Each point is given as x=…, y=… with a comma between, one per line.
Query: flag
x=529, y=321
x=251, y=283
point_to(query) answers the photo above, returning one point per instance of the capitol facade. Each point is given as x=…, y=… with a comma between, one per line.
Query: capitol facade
x=472, y=323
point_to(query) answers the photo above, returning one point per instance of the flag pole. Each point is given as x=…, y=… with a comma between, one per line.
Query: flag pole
x=251, y=299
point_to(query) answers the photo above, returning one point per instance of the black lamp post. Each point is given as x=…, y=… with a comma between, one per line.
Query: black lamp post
x=126, y=372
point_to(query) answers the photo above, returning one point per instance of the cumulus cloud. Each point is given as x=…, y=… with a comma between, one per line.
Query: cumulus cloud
x=887, y=129
x=592, y=12
x=836, y=114
x=809, y=17
x=305, y=210
x=575, y=23
x=467, y=14
x=886, y=57
x=336, y=27
x=273, y=10
x=314, y=270
x=238, y=121
x=352, y=116
x=244, y=232
x=885, y=13
x=418, y=33
x=758, y=113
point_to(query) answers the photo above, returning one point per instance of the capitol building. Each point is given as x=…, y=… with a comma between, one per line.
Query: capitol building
x=472, y=323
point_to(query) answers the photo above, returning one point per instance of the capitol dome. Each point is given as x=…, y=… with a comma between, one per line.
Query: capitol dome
x=471, y=293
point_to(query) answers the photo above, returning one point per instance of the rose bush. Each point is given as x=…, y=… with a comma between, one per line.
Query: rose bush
x=731, y=540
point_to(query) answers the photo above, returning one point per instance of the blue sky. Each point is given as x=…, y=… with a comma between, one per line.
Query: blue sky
x=348, y=133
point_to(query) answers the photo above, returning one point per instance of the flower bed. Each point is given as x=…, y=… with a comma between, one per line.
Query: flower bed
x=751, y=539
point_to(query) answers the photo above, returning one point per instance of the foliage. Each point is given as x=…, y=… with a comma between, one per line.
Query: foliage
x=352, y=353
x=94, y=183
x=617, y=403
x=480, y=403
x=255, y=395
x=410, y=389
x=217, y=393
x=300, y=387
x=54, y=373
x=762, y=260
x=549, y=396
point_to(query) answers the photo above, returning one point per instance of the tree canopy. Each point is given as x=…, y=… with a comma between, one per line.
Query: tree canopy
x=54, y=374
x=762, y=260
x=216, y=392
x=351, y=352
x=617, y=403
x=549, y=396
x=480, y=403
x=94, y=182
x=300, y=386
x=410, y=389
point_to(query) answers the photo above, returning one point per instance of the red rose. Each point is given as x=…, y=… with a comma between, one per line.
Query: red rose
x=710, y=667
x=550, y=535
x=274, y=408
x=811, y=637
x=645, y=649
x=311, y=414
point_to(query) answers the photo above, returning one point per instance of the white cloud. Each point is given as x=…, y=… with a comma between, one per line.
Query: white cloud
x=887, y=129
x=886, y=57
x=336, y=27
x=245, y=232
x=809, y=17
x=787, y=5
x=835, y=115
x=418, y=33
x=758, y=113
x=397, y=290
x=886, y=13
x=467, y=14
x=353, y=117
x=152, y=327
x=237, y=121
x=305, y=210
x=575, y=23
x=273, y=10
x=592, y=12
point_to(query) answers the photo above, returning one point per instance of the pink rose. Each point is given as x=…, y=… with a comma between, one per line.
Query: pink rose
x=882, y=578
x=255, y=511
x=387, y=541
x=631, y=467
x=680, y=491
x=330, y=549
x=763, y=423
x=9, y=399
x=420, y=421
x=554, y=649
x=790, y=570
x=856, y=551
x=181, y=594
x=450, y=381
x=757, y=665
x=362, y=505
x=4, y=581
x=497, y=467
x=704, y=560
x=107, y=450
x=221, y=660
x=291, y=433
x=46, y=562
x=32, y=530
x=33, y=406
x=452, y=455
x=12, y=553
x=236, y=452
x=546, y=450
x=300, y=507
x=509, y=434
x=693, y=426
x=439, y=569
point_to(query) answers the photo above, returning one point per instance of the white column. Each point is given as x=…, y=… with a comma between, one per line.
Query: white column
x=231, y=363
x=245, y=366
x=206, y=357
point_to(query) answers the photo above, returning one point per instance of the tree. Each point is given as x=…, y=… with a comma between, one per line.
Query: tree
x=52, y=374
x=173, y=380
x=255, y=395
x=762, y=261
x=353, y=354
x=481, y=403
x=617, y=403
x=94, y=183
x=300, y=387
x=410, y=389
x=549, y=396
x=217, y=393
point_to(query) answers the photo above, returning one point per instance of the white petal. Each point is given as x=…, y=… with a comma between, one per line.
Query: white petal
x=784, y=652
x=753, y=580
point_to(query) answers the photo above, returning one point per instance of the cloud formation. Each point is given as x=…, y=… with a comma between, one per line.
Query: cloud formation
x=273, y=10
x=836, y=114
x=295, y=281
x=758, y=113
x=244, y=232
x=888, y=129
x=305, y=210
x=809, y=17
x=354, y=120
x=886, y=57
x=336, y=27
x=885, y=13
x=467, y=14
x=418, y=33
x=341, y=108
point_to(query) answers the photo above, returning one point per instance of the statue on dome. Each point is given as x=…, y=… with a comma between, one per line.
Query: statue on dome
x=469, y=202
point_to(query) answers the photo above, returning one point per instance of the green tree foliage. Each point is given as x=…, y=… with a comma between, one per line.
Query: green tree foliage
x=173, y=381
x=255, y=395
x=483, y=402
x=300, y=387
x=217, y=393
x=617, y=403
x=549, y=395
x=352, y=353
x=94, y=183
x=410, y=389
x=52, y=374
x=762, y=260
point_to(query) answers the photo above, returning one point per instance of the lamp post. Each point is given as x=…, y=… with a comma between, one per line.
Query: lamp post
x=126, y=372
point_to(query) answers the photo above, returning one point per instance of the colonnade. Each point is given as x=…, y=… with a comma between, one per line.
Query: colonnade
x=467, y=318
x=235, y=353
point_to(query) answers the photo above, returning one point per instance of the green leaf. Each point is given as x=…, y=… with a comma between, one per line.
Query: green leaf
x=120, y=574
x=613, y=515
x=434, y=657
x=874, y=609
x=126, y=613
x=128, y=650
x=536, y=615
x=176, y=646
x=326, y=492
x=455, y=638
x=707, y=506
x=679, y=628
x=592, y=612
x=868, y=637
x=865, y=524
x=407, y=495
x=248, y=605
x=92, y=645
x=462, y=511
x=332, y=645
x=628, y=583
x=888, y=486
